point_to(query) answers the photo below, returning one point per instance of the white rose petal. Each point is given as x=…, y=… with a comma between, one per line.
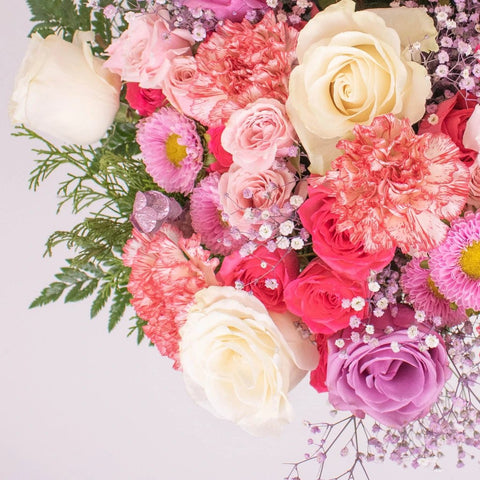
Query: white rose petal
x=63, y=92
x=239, y=361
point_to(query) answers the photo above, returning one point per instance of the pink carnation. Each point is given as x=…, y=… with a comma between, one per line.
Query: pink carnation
x=167, y=271
x=139, y=54
x=240, y=63
x=394, y=188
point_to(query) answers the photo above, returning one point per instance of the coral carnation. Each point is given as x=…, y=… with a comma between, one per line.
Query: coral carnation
x=455, y=264
x=394, y=188
x=172, y=150
x=239, y=64
x=167, y=271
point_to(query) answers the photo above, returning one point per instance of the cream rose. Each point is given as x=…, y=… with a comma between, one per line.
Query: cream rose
x=352, y=68
x=239, y=363
x=63, y=92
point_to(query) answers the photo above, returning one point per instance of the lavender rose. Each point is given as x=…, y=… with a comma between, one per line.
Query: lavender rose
x=392, y=378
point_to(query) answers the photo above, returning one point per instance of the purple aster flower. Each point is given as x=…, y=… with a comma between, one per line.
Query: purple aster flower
x=208, y=218
x=172, y=150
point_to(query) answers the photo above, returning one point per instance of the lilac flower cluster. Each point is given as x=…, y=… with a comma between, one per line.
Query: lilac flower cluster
x=456, y=65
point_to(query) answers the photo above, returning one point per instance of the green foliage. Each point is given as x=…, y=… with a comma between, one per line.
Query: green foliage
x=59, y=16
x=100, y=183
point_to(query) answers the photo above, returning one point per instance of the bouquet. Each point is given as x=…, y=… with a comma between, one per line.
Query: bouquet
x=278, y=189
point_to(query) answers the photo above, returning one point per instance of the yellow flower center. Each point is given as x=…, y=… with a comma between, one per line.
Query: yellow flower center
x=434, y=289
x=175, y=152
x=470, y=260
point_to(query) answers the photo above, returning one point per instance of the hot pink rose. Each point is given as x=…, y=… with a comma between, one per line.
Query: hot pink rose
x=318, y=377
x=240, y=190
x=180, y=72
x=224, y=159
x=257, y=134
x=317, y=294
x=139, y=54
x=264, y=273
x=234, y=10
x=332, y=246
x=452, y=118
x=144, y=100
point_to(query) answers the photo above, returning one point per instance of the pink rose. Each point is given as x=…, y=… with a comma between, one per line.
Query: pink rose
x=144, y=100
x=452, y=119
x=317, y=294
x=234, y=10
x=257, y=134
x=224, y=159
x=180, y=72
x=243, y=193
x=264, y=273
x=332, y=246
x=140, y=53
x=394, y=386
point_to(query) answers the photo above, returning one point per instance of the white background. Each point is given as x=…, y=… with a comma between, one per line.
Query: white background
x=79, y=403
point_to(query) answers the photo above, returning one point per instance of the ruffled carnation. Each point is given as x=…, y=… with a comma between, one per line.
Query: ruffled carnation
x=394, y=188
x=206, y=213
x=264, y=273
x=424, y=295
x=455, y=264
x=240, y=63
x=167, y=271
x=172, y=150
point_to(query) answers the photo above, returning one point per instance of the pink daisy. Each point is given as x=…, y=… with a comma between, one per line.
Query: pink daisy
x=206, y=212
x=455, y=264
x=394, y=188
x=172, y=150
x=424, y=295
x=167, y=271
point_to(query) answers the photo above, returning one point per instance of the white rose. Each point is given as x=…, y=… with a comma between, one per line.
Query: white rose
x=352, y=68
x=239, y=364
x=63, y=92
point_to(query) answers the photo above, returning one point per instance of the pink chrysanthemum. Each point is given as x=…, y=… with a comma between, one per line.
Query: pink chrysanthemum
x=167, y=271
x=240, y=63
x=172, y=150
x=424, y=295
x=455, y=264
x=206, y=213
x=393, y=188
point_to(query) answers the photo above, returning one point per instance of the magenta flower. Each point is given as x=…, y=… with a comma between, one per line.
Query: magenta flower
x=424, y=295
x=172, y=150
x=455, y=264
x=206, y=213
